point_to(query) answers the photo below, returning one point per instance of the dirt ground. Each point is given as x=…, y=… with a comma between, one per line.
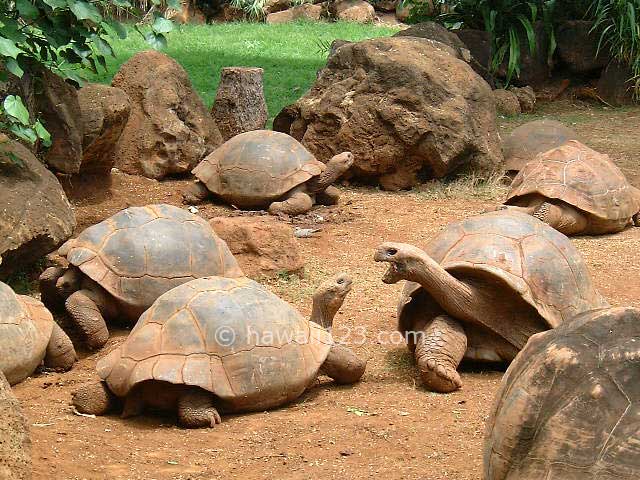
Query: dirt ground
x=387, y=425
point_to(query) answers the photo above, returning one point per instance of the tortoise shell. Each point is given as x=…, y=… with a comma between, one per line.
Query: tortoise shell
x=533, y=138
x=142, y=252
x=567, y=407
x=581, y=177
x=256, y=168
x=520, y=255
x=25, y=330
x=232, y=337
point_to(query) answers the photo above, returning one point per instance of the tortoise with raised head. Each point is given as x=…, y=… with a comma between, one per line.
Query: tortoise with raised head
x=29, y=336
x=576, y=190
x=265, y=169
x=120, y=266
x=222, y=345
x=568, y=406
x=481, y=288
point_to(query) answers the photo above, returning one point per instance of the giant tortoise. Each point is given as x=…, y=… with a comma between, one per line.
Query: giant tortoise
x=481, y=288
x=222, y=345
x=269, y=169
x=568, y=406
x=120, y=266
x=576, y=190
x=29, y=336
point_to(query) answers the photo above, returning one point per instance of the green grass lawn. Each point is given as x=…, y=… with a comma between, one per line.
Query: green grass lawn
x=289, y=53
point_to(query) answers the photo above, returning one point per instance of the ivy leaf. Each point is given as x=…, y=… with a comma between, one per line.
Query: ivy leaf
x=121, y=3
x=8, y=48
x=13, y=106
x=156, y=40
x=118, y=28
x=14, y=68
x=85, y=11
x=174, y=4
x=27, y=9
x=43, y=133
x=162, y=25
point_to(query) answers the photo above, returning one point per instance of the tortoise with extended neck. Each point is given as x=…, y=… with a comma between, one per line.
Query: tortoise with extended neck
x=576, y=190
x=222, y=345
x=265, y=169
x=567, y=408
x=29, y=336
x=118, y=267
x=481, y=288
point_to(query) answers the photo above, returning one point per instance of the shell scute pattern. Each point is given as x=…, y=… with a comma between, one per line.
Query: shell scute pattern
x=134, y=254
x=581, y=177
x=229, y=336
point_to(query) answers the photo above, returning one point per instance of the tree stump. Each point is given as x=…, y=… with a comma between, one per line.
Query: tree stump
x=240, y=105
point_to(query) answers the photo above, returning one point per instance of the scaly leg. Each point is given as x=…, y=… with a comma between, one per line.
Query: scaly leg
x=83, y=307
x=196, y=409
x=60, y=352
x=94, y=399
x=195, y=193
x=343, y=365
x=329, y=196
x=439, y=351
x=299, y=202
x=49, y=293
x=562, y=217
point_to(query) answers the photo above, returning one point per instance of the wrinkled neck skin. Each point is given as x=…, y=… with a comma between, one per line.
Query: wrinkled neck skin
x=324, y=310
x=330, y=174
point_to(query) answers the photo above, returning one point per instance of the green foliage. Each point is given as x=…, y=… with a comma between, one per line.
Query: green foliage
x=65, y=37
x=511, y=26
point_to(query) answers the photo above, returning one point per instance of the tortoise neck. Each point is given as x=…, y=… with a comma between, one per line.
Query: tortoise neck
x=324, y=311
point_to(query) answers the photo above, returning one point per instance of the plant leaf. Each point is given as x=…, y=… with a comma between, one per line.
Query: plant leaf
x=162, y=25
x=55, y=4
x=27, y=9
x=43, y=133
x=13, y=67
x=25, y=133
x=85, y=11
x=156, y=40
x=8, y=48
x=13, y=106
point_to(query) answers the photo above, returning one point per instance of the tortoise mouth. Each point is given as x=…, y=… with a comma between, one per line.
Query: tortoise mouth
x=392, y=275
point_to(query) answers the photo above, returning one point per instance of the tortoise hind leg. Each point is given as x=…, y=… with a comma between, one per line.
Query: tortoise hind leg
x=196, y=409
x=562, y=217
x=60, y=353
x=84, y=308
x=636, y=219
x=195, y=193
x=343, y=365
x=94, y=399
x=297, y=203
x=439, y=351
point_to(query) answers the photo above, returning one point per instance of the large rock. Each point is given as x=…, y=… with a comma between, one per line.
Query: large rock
x=35, y=215
x=615, y=86
x=433, y=31
x=240, y=105
x=15, y=444
x=526, y=97
x=105, y=111
x=262, y=245
x=60, y=113
x=478, y=42
x=404, y=8
x=306, y=11
x=385, y=5
x=406, y=110
x=533, y=138
x=577, y=47
x=169, y=129
x=352, y=11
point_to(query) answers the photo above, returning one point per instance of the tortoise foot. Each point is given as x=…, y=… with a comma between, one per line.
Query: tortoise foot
x=438, y=378
x=196, y=410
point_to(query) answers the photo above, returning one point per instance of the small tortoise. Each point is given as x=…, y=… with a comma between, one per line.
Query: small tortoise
x=482, y=287
x=576, y=190
x=120, y=266
x=531, y=139
x=568, y=405
x=222, y=345
x=29, y=335
x=268, y=169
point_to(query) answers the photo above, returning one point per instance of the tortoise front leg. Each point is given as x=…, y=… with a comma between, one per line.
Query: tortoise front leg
x=439, y=350
x=562, y=217
x=329, y=196
x=60, y=353
x=196, y=409
x=636, y=219
x=50, y=294
x=195, y=193
x=343, y=365
x=85, y=308
x=297, y=203
x=94, y=399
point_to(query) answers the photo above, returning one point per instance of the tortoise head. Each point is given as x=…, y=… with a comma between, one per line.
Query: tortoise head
x=329, y=297
x=341, y=162
x=403, y=260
